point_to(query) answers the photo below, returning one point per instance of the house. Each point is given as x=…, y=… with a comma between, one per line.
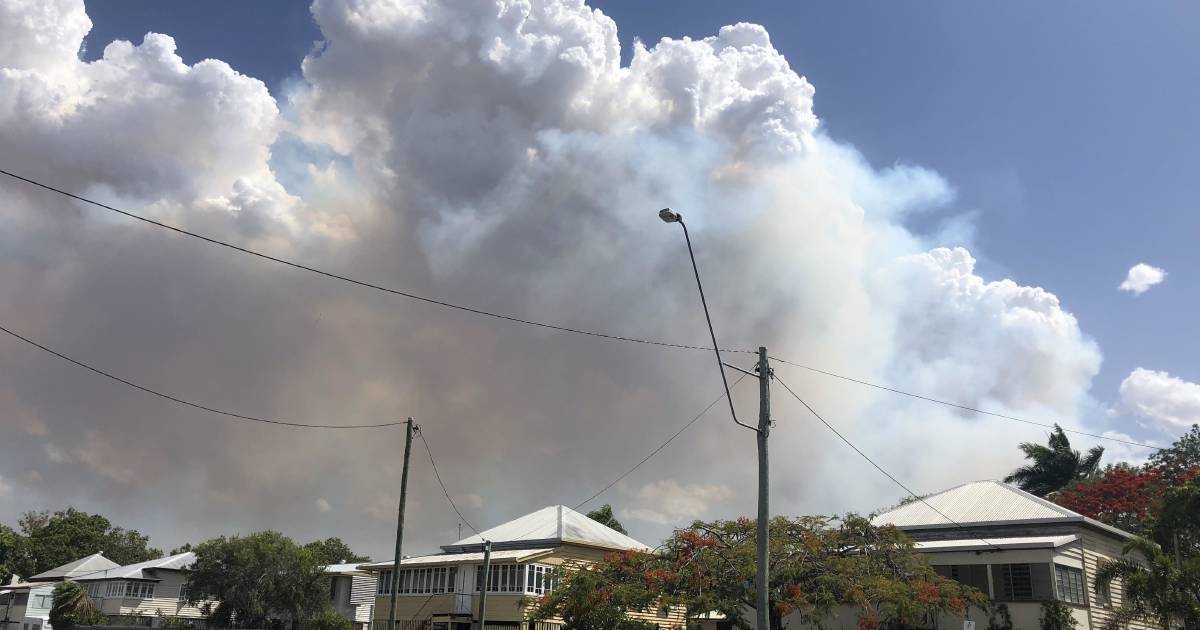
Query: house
x=352, y=593
x=26, y=605
x=441, y=591
x=1018, y=548
x=143, y=593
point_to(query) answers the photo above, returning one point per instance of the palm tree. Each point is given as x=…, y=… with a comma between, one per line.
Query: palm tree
x=1054, y=466
x=1160, y=591
x=72, y=607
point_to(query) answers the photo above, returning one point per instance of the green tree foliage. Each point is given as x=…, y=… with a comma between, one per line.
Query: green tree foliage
x=818, y=563
x=1182, y=459
x=1057, y=616
x=1177, y=525
x=334, y=551
x=604, y=515
x=72, y=607
x=53, y=539
x=1053, y=466
x=263, y=580
x=1156, y=587
x=328, y=619
x=598, y=597
x=10, y=553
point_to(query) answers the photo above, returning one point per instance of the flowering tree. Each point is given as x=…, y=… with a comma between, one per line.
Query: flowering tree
x=1121, y=496
x=817, y=564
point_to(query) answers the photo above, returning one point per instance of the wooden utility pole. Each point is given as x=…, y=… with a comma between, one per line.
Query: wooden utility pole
x=483, y=583
x=395, y=585
x=762, y=586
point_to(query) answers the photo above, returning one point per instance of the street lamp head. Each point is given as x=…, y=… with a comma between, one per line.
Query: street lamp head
x=669, y=217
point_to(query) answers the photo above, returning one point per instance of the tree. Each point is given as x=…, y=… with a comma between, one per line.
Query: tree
x=54, y=539
x=1181, y=460
x=184, y=548
x=604, y=515
x=1054, y=466
x=1159, y=590
x=818, y=563
x=1123, y=496
x=10, y=553
x=1177, y=525
x=598, y=597
x=333, y=551
x=73, y=607
x=261, y=580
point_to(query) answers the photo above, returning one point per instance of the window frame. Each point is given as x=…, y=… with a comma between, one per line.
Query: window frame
x=1068, y=584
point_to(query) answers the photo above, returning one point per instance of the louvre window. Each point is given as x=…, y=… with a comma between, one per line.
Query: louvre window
x=139, y=590
x=420, y=581
x=1069, y=582
x=532, y=579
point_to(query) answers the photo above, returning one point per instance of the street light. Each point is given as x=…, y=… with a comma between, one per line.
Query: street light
x=762, y=607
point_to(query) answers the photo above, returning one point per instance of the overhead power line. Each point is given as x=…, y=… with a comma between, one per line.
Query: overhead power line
x=877, y=466
x=361, y=283
x=433, y=464
x=188, y=403
x=539, y=324
x=661, y=446
x=964, y=407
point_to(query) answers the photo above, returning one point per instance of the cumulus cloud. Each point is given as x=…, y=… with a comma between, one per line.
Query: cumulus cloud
x=1169, y=403
x=322, y=505
x=499, y=155
x=668, y=502
x=1141, y=277
x=54, y=453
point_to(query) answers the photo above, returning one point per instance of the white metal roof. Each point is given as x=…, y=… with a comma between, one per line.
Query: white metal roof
x=516, y=555
x=1015, y=542
x=346, y=569
x=981, y=503
x=554, y=524
x=88, y=564
x=139, y=570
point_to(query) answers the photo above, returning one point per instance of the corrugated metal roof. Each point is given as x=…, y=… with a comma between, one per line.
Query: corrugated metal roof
x=555, y=523
x=88, y=564
x=516, y=555
x=978, y=503
x=344, y=569
x=1016, y=542
x=137, y=571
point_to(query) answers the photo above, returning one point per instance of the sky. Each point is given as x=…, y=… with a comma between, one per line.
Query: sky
x=986, y=203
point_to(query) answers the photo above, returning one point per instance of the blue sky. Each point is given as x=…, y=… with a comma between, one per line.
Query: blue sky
x=1069, y=128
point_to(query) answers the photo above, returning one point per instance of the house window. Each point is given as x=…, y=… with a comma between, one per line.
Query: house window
x=114, y=589
x=531, y=579
x=1069, y=583
x=1016, y=582
x=974, y=575
x=419, y=581
x=139, y=590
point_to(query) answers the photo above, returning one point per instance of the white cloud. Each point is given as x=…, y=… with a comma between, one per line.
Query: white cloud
x=5, y=487
x=55, y=454
x=668, y=502
x=1128, y=453
x=1141, y=277
x=322, y=505
x=496, y=154
x=472, y=501
x=1171, y=404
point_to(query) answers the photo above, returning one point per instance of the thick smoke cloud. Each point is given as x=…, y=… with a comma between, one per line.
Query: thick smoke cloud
x=495, y=154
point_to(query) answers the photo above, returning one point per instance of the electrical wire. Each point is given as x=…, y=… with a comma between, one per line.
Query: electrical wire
x=361, y=283
x=963, y=407
x=188, y=403
x=433, y=464
x=660, y=446
x=877, y=466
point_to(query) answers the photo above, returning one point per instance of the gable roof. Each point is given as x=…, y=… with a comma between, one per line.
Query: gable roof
x=142, y=570
x=550, y=526
x=87, y=564
x=984, y=503
x=472, y=557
